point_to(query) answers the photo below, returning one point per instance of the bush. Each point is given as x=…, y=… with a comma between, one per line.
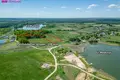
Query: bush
x=75, y=39
x=23, y=40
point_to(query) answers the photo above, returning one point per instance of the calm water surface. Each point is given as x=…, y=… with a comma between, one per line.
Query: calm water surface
x=110, y=63
x=2, y=42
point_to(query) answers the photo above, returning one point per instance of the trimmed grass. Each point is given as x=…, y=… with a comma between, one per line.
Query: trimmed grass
x=23, y=64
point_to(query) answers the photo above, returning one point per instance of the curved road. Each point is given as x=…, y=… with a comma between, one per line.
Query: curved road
x=55, y=59
x=56, y=65
x=82, y=70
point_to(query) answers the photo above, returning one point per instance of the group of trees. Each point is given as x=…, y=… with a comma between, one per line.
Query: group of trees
x=93, y=40
x=62, y=50
x=117, y=42
x=31, y=33
x=23, y=40
x=75, y=39
x=23, y=36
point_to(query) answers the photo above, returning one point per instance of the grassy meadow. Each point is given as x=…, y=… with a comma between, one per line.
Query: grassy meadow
x=66, y=73
x=24, y=63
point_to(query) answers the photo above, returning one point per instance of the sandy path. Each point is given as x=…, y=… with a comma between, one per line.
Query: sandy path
x=81, y=76
x=74, y=59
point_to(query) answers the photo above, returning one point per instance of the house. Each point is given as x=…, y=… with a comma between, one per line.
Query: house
x=45, y=65
x=33, y=27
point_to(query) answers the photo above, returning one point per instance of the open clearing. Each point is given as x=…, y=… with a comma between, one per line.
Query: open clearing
x=24, y=64
x=66, y=73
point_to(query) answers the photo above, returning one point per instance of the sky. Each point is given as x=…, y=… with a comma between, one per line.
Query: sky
x=61, y=9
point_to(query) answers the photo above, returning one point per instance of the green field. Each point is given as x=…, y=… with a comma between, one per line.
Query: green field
x=50, y=38
x=24, y=64
x=111, y=38
x=66, y=73
x=7, y=46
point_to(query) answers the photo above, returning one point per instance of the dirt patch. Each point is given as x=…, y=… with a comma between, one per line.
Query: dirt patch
x=81, y=76
x=72, y=58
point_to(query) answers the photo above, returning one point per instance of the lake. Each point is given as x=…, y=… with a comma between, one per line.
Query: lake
x=109, y=63
x=2, y=42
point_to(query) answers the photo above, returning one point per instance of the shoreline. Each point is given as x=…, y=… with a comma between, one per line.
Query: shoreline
x=110, y=44
x=85, y=62
x=100, y=73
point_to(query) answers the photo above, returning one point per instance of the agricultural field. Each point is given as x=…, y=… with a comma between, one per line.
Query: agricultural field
x=24, y=63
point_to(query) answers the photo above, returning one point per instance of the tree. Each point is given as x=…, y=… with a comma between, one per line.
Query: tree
x=93, y=40
x=75, y=39
x=23, y=40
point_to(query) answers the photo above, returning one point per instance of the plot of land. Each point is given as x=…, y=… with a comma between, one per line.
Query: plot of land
x=24, y=64
x=50, y=38
x=7, y=46
x=74, y=59
x=66, y=73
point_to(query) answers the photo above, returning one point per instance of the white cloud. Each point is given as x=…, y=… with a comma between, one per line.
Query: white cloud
x=113, y=6
x=91, y=6
x=78, y=8
x=63, y=7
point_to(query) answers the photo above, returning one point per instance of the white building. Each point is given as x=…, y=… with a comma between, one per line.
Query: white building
x=33, y=27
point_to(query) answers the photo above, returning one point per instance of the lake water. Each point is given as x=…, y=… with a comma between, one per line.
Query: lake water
x=109, y=63
x=2, y=42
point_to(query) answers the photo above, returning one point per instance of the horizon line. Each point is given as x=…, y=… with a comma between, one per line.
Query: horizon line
x=58, y=17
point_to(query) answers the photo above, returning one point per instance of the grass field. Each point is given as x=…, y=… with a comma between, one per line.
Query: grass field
x=8, y=46
x=65, y=35
x=24, y=64
x=111, y=38
x=50, y=38
x=66, y=73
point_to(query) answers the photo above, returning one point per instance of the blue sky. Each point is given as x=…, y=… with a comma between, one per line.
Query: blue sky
x=61, y=9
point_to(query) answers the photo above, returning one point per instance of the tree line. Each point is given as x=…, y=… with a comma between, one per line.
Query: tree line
x=24, y=35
